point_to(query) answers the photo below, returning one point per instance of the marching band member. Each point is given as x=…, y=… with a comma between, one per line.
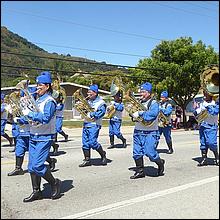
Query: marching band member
x=145, y=137
x=116, y=120
x=22, y=141
x=4, y=116
x=91, y=128
x=41, y=138
x=59, y=122
x=208, y=128
x=166, y=108
x=59, y=117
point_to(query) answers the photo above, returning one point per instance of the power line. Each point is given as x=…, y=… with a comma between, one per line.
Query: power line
x=190, y=3
x=83, y=25
x=179, y=9
x=100, y=51
x=73, y=72
x=85, y=49
x=79, y=61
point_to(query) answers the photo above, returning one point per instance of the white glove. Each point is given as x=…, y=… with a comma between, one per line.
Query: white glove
x=16, y=119
x=88, y=115
x=136, y=114
x=26, y=111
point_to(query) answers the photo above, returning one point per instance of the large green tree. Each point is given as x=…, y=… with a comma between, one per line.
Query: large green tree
x=176, y=66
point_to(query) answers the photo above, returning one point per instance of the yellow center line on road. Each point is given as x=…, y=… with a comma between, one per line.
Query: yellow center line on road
x=25, y=161
x=11, y=162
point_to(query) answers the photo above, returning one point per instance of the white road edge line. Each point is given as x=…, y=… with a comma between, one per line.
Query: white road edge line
x=121, y=204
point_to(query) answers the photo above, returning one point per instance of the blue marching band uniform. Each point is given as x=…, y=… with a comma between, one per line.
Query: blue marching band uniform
x=4, y=117
x=22, y=127
x=59, y=120
x=166, y=108
x=59, y=123
x=38, y=138
x=116, y=120
x=145, y=137
x=41, y=138
x=91, y=129
x=208, y=128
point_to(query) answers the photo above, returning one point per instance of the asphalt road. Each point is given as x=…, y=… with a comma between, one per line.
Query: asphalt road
x=102, y=192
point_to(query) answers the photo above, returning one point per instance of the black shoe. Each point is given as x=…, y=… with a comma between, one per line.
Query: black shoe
x=35, y=195
x=85, y=163
x=12, y=151
x=11, y=141
x=52, y=164
x=216, y=162
x=104, y=159
x=137, y=175
x=16, y=171
x=66, y=137
x=161, y=167
x=111, y=146
x=56, y=189
x=124, y=143
x=55, y=149
x=170, y=151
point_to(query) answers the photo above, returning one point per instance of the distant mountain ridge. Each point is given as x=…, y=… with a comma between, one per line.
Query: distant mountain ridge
x=11, y=42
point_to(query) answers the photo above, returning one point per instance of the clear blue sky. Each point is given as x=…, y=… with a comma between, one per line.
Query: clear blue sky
x=127, y=27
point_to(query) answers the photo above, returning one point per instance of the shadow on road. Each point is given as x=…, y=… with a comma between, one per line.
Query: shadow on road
x=97, y=161
x=210, y=161
x=65, y=187
x=149, y=171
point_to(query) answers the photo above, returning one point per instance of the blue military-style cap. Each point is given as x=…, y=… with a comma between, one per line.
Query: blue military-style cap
x=94, y=88
x=45, y=79
x=164, y=94
x=146, y=86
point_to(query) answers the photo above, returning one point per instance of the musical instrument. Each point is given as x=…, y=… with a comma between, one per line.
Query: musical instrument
x=28, y=101
x=202, y=116
x=163, y=121
x=117, y=87
x=58, y=91
x=13, y=104
x=110, y=111
x=133, y=105
x=209, y=80
x=81, y=105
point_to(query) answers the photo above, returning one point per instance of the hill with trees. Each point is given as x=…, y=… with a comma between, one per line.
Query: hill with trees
x=18, y=52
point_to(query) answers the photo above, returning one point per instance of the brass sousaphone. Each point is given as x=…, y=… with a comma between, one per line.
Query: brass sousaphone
x=116, y=87
x=209, y=79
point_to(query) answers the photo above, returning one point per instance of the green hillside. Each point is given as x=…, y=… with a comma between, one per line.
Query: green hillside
x=13, y=43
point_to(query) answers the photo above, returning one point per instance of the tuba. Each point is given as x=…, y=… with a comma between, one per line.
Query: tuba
x=13, y=104
x=81, y=105
x=58, y=91
x=110, y=111
x=132, y=105
x=202, y=116
x=162, y=120
x=209, y=80
x=116, y=87
x=28, y=100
